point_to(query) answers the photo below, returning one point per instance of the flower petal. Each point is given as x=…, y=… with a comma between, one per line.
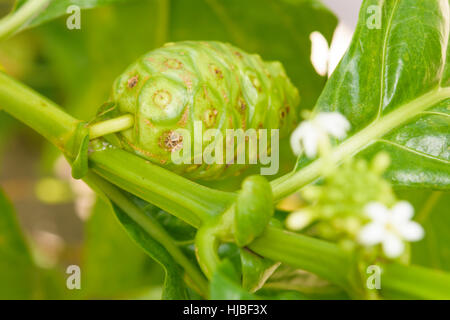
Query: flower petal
x=311, y=141
x=411, y=231
x=377, y=211
x=299, y=219
x=295, y=140
x=371, y=234
x=334, y=123
x=393, y=246
x=402, y=211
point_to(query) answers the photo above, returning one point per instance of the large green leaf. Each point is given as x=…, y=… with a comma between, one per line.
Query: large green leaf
x=17, y=272
x=387, y=86
x=106, y=247
x=225, y=284
x=432, y=212
x=58, y=8
x=174, y=286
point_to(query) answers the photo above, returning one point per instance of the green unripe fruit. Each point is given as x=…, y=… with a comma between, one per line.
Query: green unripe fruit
x=225, y=88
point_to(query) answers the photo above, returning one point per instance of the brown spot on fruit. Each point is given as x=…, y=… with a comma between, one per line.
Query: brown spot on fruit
x=173, y=64
x=209, y=117
x=148, y=123
x=162, y=98
x=216, y=71
x=238, y=54
x=142, y=151
x=182, y=122
x=284, y=112
x=242, y=105
x=171, y=141
x=187, y=81
x=133, y=81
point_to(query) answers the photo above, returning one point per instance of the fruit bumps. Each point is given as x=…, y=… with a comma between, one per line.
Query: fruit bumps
x=218, y=84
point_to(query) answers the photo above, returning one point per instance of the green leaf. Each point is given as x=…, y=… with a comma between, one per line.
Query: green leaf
x=225, y=284
x=307, y=284
x=17, y=271
x=381, y=79
x=58, y=8
x=174, y=286
x=432, y=212
x=106, y=248
x=430, y=284
x=80, y=147
x=255, y=270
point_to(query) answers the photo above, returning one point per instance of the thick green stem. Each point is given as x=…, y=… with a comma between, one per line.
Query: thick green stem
x=35, y=111
x=196, y=204
x=14, y=21
x=151, y=227
x=110, y=126
x=320, y=257
x=191, y=202
x=414, y=282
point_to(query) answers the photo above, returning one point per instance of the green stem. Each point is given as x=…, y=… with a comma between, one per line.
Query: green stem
x=196, y=204
x=286, y=185
x=35, y=111
x=206, y=245
x=110, y=126
x=151, y=227
x=14, y=21
x=414, y=282
x=191, y=202
x=319, y=257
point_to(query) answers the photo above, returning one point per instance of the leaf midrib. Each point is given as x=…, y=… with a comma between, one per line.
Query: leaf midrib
x=383, y=57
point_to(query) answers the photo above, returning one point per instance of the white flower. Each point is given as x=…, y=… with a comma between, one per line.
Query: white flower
x=309, y=134
x=298, y=220
x=390, y=227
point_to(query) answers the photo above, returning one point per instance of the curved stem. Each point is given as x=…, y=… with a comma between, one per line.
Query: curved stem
x=187, y=200
x=110, y=126
x=35, y=111
x=286, y=185
x=14, y=21
x=206, y=245
x=151, y=227
x=156, y=185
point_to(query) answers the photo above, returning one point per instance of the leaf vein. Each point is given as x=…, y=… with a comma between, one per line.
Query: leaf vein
x=422, y=154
